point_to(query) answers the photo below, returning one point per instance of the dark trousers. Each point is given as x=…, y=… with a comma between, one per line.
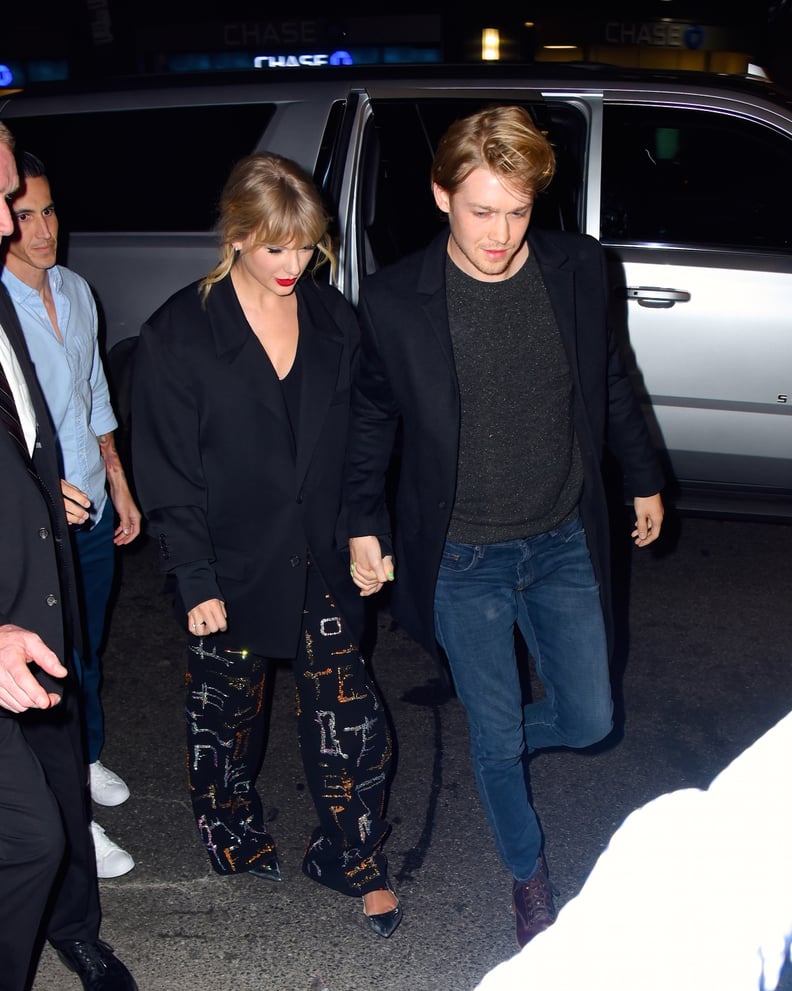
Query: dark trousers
x=344, y=742
x=95, y=565
x=43, y=795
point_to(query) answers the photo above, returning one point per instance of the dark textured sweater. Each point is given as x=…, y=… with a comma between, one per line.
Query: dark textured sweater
x=519, y=472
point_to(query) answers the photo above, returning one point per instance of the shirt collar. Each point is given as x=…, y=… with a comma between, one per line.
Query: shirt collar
x=20, y=291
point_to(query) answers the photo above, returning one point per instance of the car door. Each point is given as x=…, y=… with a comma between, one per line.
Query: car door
x=697, y=220
x=391, y=210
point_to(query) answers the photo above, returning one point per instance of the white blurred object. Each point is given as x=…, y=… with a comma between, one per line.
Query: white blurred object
x=694, y=892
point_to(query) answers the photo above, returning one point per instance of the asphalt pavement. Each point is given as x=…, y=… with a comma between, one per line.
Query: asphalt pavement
x=703, y=669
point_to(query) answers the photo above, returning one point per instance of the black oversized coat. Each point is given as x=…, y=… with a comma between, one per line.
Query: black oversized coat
x=407, y=375
x=235, y=506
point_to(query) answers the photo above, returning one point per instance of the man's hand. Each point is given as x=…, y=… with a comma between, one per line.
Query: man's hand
x=207, y=617
x=19, y=689
x=129, y=516
x=369, y=569
x=75, y=502
x=648, y=519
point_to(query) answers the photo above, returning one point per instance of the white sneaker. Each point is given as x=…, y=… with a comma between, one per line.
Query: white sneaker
x=106, y=787
x=111, y=860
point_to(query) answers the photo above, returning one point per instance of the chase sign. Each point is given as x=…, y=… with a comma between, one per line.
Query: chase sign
x=296, y=61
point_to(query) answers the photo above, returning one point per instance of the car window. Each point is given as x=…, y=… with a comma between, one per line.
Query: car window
x=693, y=177
x=397, y=209
x=144, y=170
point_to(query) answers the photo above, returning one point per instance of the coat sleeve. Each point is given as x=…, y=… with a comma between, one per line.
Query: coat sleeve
x=374, y=417
x=627, y=433
x=167, y=466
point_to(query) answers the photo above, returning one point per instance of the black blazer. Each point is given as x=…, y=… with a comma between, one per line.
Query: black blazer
x=407, y=374
x=235, y=505
x=37, y=589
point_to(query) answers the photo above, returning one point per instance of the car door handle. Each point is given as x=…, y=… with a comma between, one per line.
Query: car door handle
x=654, y=296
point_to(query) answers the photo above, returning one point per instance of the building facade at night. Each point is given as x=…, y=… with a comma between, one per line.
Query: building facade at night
x=69, y=39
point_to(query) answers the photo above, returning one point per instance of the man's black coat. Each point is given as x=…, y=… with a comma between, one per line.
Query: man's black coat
x=407, y=375
x=36, y=581
x=38, y=593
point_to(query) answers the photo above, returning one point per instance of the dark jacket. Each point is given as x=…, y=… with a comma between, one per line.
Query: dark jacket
x=37, y=590
x=234, y=505
x=407, y=374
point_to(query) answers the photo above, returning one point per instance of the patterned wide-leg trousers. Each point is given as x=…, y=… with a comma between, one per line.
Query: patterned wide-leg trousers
x=346, y=750
x=344, y=741
x=226, y=708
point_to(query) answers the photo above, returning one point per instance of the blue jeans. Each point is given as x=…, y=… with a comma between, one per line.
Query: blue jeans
x=546, y=586
x=95, y=566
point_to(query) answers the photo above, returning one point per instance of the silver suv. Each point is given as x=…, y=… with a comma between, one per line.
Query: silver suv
x=685, y=178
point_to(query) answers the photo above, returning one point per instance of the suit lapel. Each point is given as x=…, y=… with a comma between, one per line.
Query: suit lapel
x=235, y=343
x=44, y=465
x=559, y=280
x=321, y=343
x=432, y=287
x=13, y=331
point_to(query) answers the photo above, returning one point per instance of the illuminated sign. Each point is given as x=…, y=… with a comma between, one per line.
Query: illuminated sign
x=242, y=35
x=670, y=34
x=6, y=76
x=295, y=61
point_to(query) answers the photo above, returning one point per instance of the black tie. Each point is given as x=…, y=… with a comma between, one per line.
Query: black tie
x=9, y=415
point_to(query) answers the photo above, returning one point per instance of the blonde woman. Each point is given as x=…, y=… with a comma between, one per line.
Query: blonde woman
x=240, y=407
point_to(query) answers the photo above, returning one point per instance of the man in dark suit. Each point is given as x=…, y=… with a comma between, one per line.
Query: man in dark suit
x=47, y=864
x=491, y=349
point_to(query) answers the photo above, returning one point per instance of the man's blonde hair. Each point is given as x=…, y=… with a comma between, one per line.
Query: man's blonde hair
x=503, y=139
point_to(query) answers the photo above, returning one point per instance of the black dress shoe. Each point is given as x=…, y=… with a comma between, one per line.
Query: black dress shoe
x=386, y=923
x=269, y=869
x=97, y=966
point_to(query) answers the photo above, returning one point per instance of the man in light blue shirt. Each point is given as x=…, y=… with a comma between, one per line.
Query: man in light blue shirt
x=58, y=316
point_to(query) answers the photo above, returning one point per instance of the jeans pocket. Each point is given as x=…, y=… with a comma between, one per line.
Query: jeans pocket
x=458, y=557
x=571, y=530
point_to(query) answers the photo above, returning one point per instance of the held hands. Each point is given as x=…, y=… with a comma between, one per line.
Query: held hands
x=207, y=618
x=19, y=689
x=648, y=519
x=75, y=502
x=369, y=569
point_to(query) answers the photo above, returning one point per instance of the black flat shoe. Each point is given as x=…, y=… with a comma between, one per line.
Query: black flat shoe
x=386, y=923
x=270, y=869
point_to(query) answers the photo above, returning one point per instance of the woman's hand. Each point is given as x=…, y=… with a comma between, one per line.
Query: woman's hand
x=207, y=618
x=368, y=568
